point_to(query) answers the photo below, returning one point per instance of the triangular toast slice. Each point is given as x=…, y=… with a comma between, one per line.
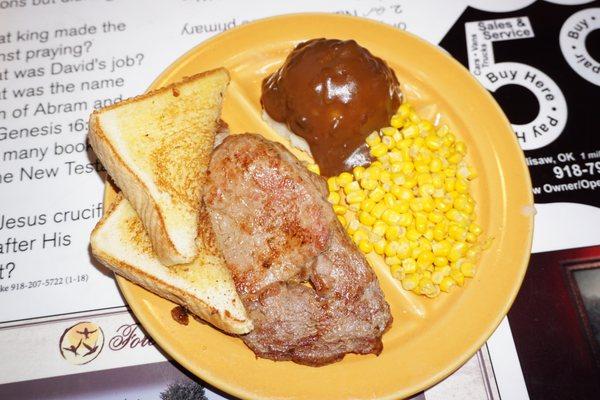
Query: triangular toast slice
x=204, y=287
x=156, y=147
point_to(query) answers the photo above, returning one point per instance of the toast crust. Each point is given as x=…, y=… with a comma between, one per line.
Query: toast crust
x=151, y=186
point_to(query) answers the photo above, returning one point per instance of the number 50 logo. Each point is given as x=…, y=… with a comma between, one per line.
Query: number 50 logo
x=552, y=115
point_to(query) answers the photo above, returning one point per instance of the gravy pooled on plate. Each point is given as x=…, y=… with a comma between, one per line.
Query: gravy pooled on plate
x=332, y=93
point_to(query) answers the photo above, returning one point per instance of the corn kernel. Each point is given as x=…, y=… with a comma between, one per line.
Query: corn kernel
x=433, y=142
x=388, y=140
x=342, y=220
x=403, y=249
x=390, y=217
x=377, y=194
x=442, y=130
x=379, y=228
x=368, y=183
x=360, y=235
x=468, y=269
x=378, y=150
x=356, y=197
x=412, y=234
x=455, y=158
x=389, y=200
x=396, y=270
x=437, y=180
x=437, y=277
x=475, y=229
x=392, y=232
x=391, y=248
x=435, y=165
x=396, y=121
x=393, y=261
x=358, y=172
x=428, y=234
x=334, y=198
x=353, y=226
x=421, y=222
x=410, y=281
x=425, y=259
x=385, y=177
x=457, y=233
x=373, y=139
x=409, y=265
x=441, y=249
x=408, y=167
x=457, y=277
x=440, y=261
x=457, y=250
x=428, y=204
x=410, y=182
x=446, y=284
x=312, y=167
x=344, y=178
x=402, y=193
x=426, y=286
x=367, y=205
x=379, y=246
x=388, y=131
x=366, y=219
x=410, y=131
x=471, y=238
x=332, y=184
x=351, y=187
x=340, y=209
x=378, y=210
x=461, y=185
x=401, y=207
x=365, y=246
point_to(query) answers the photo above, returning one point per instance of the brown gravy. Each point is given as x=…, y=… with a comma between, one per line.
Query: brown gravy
x=180, y=315
x=332, y=93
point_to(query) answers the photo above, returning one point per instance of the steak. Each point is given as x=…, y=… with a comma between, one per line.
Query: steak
x=308, y=289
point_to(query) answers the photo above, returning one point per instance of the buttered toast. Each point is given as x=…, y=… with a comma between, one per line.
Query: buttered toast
x=156, y=147
x=204, y=287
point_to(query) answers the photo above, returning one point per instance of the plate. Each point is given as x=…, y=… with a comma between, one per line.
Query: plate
x=429, y=339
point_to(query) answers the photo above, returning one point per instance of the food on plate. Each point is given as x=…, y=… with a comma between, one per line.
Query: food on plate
x=332, y=93
x=204, y=286
x=308, y=290
x=156, y=148
x=413, y=205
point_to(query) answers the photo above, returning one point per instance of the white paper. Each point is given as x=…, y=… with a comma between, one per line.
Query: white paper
x=48, y=279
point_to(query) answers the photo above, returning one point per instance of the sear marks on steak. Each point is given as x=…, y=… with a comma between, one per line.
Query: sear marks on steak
x=308, y=289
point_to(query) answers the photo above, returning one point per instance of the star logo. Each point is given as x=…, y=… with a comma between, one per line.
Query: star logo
x=81, y=343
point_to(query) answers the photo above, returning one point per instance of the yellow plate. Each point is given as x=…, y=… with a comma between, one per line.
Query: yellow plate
x=429, y=339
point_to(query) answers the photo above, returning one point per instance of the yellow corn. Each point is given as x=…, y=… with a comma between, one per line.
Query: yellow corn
x=358, y=172
x=356, y=197
x=340, y=209
x=373, y=139
x=366, y=219
x=365, y=246
x=412, y=205
x=332, y=184
x=312, y=167
x=334, y=198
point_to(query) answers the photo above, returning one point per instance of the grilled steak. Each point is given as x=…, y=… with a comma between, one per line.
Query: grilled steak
x=309, y=291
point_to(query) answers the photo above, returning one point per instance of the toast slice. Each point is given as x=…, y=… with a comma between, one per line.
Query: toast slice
x=204, y=287
x=156, y=147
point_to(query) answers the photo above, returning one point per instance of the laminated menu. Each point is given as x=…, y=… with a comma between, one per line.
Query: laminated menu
x=65, y=330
